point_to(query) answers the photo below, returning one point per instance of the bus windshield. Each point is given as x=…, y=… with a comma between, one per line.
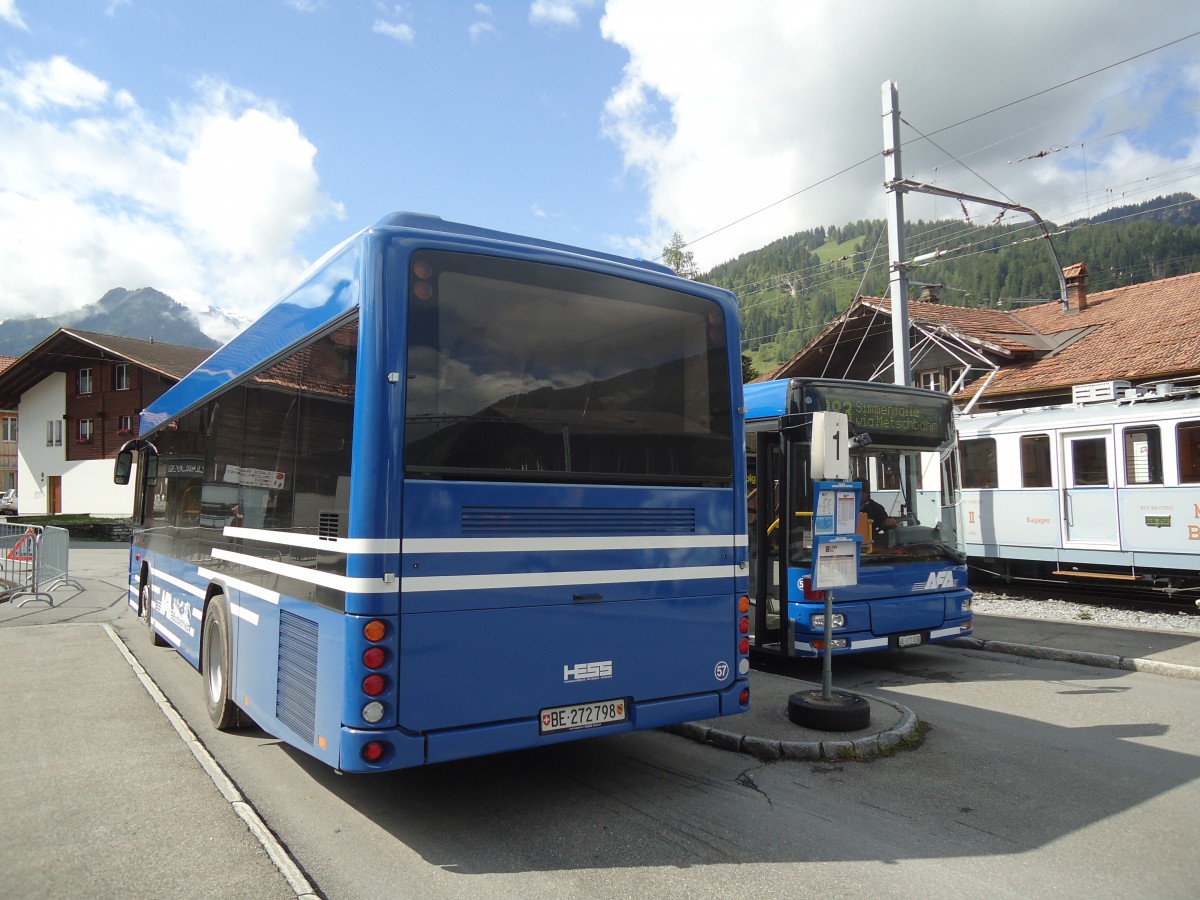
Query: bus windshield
x=908, y=511
x=522, y=370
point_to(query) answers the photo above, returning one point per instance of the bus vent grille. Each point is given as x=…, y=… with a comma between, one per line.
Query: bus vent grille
x=329, y=526
x=296, y=696
x=542, y=521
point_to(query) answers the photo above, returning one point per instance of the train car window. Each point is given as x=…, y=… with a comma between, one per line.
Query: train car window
x=1089, y=465
x=1035, y=461
x=1187, y=437
x=978, y=459
x=1143, y=455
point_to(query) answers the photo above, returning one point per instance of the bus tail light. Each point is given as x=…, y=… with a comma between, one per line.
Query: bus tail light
x=809, y=593
x=373, y=751
x=374, y=657
x=744, y=696
x=373, y=685
x=374, y=630
x=372, y=712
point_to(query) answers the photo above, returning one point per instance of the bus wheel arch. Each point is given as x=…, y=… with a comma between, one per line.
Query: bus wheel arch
x=145, y=602
x=216, y=663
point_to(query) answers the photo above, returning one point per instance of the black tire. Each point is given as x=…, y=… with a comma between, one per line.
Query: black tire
x=841, y=712
x=145, y=603
x=216, y=660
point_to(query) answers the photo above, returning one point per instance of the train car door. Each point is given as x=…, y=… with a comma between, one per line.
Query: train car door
x=1089, y=489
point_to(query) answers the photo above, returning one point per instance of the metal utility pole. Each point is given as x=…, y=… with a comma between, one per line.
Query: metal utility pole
x=894, y=184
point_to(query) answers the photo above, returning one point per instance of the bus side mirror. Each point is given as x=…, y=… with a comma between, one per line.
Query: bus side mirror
x=123, y=467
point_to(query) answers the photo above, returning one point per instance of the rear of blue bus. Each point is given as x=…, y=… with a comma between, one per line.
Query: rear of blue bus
x=571, y=501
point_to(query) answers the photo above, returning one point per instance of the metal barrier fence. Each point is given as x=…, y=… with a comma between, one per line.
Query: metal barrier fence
x=33, y=562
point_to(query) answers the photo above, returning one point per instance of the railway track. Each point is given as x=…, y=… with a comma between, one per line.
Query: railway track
x=1101, y=596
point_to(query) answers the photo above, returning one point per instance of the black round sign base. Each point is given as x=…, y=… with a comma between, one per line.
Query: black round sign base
x=841, y=712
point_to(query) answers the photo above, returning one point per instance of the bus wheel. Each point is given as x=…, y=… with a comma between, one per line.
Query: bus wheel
x=145, y=601
x=841, y=712
x=215, y=665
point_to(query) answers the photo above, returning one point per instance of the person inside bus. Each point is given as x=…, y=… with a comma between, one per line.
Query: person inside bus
x=880, y=520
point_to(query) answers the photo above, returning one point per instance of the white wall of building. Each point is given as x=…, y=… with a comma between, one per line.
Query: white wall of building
x=87, y=487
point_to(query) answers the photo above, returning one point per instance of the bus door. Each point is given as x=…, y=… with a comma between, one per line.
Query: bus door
x=768, y=582
x=1089, y=493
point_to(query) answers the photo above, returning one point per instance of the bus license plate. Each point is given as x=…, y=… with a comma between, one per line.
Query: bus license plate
x=582, y=715
x=909, y=640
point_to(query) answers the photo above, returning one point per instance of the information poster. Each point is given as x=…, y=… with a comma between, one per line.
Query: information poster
x=835, y=561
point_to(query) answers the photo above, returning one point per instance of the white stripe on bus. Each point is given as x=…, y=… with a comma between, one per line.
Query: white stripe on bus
x=433, y=583
x=422, y=584
x=486, y=545
x=371, y=585
x=254, y=590
x=536, y=543
x=160, y=575
x=313, y=542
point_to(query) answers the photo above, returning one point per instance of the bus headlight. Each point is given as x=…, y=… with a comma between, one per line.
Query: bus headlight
x=818, y=621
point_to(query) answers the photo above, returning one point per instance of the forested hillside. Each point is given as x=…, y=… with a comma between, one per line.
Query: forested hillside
x=791, y=288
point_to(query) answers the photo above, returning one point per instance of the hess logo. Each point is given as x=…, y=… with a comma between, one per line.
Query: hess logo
x=588, y=671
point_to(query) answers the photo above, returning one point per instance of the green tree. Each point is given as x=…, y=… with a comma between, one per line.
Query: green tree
x=678, y=257
x=748, y=370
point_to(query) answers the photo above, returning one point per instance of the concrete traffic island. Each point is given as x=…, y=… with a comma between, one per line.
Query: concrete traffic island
x=767, y=732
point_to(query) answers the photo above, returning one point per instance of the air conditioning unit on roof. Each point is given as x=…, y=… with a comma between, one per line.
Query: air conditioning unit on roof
x=1098, y=391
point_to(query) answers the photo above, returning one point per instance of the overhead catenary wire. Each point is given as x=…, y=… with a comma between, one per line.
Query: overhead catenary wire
x=975, y=117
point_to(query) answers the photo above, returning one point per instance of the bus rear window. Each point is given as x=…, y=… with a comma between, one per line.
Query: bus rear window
x=547, y=372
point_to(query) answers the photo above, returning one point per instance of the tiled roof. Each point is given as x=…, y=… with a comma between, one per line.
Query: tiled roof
x=68, y=348
x=1140, y=332
x=170, y=359
x=997, y=328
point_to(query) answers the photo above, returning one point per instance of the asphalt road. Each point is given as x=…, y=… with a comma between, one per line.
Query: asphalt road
x=1036, y=777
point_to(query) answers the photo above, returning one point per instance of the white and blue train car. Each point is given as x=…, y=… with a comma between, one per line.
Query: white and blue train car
x=1105, y=490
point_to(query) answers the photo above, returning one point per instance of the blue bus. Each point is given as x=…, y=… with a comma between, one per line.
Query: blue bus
x=457, y=492
x=912, y=581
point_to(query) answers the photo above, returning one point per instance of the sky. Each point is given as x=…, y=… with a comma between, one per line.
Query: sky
x=213, y=150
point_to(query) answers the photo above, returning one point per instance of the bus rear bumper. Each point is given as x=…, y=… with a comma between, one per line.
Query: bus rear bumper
x=401, y=749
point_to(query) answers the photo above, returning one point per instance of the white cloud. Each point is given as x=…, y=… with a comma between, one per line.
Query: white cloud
x=730, y=108
x=399, y=31
x=10, y=14
x=206, y=204
x=56, y=82
x=557, y=12
x=479, y=30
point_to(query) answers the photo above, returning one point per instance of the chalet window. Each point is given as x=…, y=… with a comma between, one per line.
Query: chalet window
x=54, y=433
x=931, y=380
x=1035, y=460
x=121, y=377
x=125, y=425
x=85, y=381
x=1187, y=436
x=9, y=435
x=978, y=459
x=952, y=375
x=1143, y=455
x=85, y=431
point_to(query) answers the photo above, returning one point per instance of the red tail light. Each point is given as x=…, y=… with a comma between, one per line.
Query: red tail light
x=373, y=685
x=744, y=696
x=744, y=646
x=373, y=751
x=373, y=657
x=809, y=593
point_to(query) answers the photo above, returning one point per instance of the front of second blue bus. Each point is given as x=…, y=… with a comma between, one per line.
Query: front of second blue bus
x=572, y=509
